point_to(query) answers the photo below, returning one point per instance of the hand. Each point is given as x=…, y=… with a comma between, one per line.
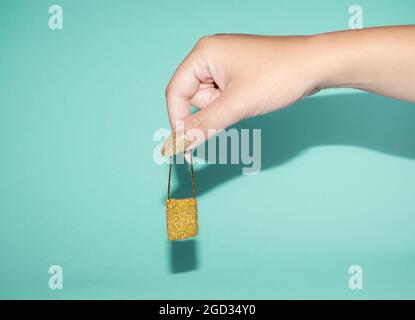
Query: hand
x=233, y=77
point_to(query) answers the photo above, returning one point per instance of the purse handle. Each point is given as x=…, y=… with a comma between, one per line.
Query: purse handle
x=191, y=171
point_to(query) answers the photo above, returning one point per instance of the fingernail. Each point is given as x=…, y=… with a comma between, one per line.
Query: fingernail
x=168, y=149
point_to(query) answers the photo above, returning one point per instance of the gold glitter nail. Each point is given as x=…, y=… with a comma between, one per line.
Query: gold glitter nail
x=170, y=148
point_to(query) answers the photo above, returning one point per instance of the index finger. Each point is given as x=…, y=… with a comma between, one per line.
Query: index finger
x=182, y=87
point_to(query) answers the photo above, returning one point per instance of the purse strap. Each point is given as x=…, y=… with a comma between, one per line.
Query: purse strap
x=191, y=170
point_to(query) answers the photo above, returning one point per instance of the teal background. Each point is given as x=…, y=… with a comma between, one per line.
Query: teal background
x=79, y=187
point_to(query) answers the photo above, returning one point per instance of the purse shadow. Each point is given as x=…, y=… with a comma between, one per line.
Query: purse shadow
x=183, y=255
x=365, y=120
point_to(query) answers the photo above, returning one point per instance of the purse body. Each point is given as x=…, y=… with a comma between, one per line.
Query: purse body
x=182, y=222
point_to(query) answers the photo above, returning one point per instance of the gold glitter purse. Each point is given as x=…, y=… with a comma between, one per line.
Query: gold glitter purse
x=181, y=214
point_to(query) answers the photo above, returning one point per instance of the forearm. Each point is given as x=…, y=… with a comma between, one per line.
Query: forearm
x=380, y=60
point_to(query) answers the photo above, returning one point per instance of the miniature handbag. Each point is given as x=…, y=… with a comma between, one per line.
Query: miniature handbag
x=181, y=214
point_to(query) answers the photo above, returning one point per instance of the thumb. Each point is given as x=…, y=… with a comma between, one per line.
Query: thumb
x=202, y=125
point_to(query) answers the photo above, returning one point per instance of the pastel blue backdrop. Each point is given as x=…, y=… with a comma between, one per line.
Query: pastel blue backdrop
x=79, y=187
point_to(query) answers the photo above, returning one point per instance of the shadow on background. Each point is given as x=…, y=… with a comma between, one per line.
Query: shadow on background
x=183, y=256
x=365, y=120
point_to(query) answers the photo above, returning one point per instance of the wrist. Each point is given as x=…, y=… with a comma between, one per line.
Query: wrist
x=339, y=59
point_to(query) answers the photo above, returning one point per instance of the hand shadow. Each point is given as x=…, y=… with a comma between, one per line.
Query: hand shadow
x=365, y=120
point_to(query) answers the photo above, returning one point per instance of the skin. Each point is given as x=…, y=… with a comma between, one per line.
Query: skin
x=231, y=77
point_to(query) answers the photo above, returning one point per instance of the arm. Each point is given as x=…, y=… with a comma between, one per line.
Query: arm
x=233, y=77
x=379, y=60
